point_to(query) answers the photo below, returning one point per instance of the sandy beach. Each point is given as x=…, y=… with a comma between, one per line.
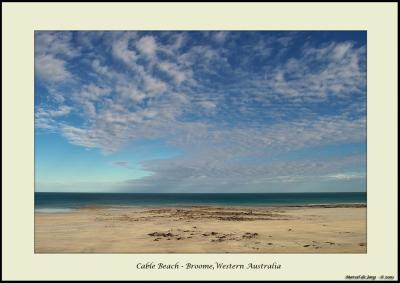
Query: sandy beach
x=310, y=229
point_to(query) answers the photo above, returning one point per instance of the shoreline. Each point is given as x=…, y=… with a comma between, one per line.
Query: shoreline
x=119, y=207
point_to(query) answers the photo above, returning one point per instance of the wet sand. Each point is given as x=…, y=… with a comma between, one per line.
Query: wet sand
x=310, y=229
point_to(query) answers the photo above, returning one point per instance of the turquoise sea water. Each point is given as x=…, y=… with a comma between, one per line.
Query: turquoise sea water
x=65, y=201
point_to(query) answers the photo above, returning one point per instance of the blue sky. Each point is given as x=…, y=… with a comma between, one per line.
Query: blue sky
x=220, y=111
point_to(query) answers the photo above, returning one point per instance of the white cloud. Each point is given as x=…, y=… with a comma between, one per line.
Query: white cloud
x=55, y=44
x=346, y=176
x=51, y=69
x=200, y=55
x=153, y=85
x=220, y=36
x=179, y=41
x=93, y=92
x=99, y=68
x=88, y=96
x=131, y=92
x=52, y=50
x=322, y=72
x=121, y=51
x=173, y=70
x=208, y=105
x=340, y=50
x=147, y=45
x=45, y=118
x=63, y=110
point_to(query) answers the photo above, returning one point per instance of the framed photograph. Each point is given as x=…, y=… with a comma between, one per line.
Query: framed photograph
x=191, y=141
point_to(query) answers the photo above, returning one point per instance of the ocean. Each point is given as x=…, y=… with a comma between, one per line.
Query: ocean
x=66, y=201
